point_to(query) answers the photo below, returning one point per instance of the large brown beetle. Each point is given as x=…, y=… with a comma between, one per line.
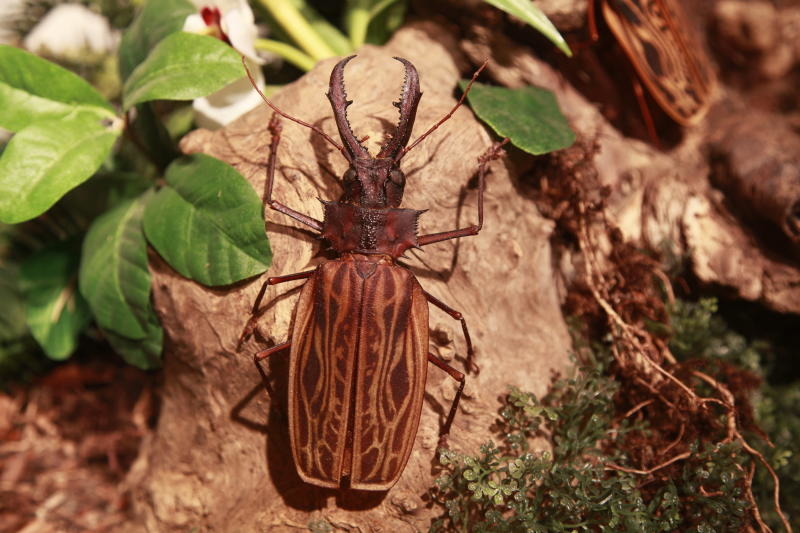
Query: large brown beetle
x=359, y=343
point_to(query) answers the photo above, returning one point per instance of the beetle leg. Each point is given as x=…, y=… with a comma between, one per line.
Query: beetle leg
x=254, y=314
x=593, y=35
x=275, y=128
x=263, y=354
x=260, y=356
x=591, y=17
x=457, y=316
x=458, y=376
x=647, y=117
x=492, y=153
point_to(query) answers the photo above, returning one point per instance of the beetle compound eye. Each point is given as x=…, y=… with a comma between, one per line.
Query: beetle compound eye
x=394, y=187
x=349, y=176
x=398, y=178
x=350, y=184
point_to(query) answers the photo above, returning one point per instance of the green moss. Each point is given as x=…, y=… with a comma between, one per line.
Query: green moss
x=586, y=481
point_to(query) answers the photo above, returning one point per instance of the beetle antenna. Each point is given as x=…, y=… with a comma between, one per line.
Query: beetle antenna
x=287, y=116
x=444, y=119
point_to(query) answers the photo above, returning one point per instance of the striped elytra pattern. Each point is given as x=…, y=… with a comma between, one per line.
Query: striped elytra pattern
x=658, y=40
x=357, y=374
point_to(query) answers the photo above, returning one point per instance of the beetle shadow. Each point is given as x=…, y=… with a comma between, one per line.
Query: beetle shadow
x=319, y=183
x=277, y=452
x=323, y=154
x=438, y=408
x=414, y=171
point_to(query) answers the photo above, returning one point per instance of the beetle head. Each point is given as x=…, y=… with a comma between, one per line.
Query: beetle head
x=374, y=181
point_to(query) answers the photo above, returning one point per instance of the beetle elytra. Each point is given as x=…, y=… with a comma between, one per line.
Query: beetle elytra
x=657, y=39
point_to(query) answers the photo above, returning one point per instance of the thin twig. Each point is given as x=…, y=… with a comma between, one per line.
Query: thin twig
x=734, y=432
x=676, y=441
x=679, y=457
x=637, y=407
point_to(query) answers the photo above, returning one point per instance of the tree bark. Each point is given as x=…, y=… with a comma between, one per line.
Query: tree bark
x=219, y=459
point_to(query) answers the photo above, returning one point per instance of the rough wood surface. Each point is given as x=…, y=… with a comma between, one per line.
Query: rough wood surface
x=668, y=200
x=219, y=459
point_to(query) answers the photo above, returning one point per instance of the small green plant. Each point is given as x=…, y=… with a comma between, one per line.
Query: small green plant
x=698, y=331
x=586, y=479
x=567, y=488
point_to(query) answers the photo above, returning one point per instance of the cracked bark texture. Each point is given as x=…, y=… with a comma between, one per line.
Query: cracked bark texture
x=219, y=459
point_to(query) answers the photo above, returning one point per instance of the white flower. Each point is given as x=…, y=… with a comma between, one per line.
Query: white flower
x=231, y=21
x=229, y=103
x=69, y=32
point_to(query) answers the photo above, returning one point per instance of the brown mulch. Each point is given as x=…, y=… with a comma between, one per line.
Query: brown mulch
x=66, y=442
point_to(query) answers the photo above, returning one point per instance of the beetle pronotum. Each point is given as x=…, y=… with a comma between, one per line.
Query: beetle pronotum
x=655, y=37
x=359, y=341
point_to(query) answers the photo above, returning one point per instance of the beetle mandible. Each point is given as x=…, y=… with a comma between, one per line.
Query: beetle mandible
x=359, y=341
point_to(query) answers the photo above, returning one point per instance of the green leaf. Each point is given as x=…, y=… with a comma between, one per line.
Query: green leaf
x=181, y=67
x=56, y=312
x=528, y=12
x=142, y=353
x=373, y=21
x=33, y=89
x=329, y=33
x=12, y=318
x=46, y=159
x=207, y=223
x=528, y=116
x=297, y=21
x=113, y=275
x=105, y=190
x=157, y=19
x=19, y=356
x=387, y=17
